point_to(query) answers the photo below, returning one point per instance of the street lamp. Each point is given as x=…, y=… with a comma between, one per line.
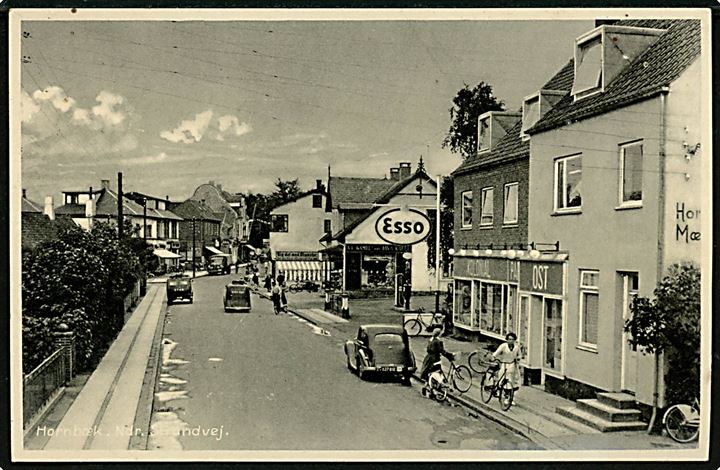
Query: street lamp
x=193, y=249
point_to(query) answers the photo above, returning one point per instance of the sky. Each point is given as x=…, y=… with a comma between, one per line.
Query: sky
x=173, y=105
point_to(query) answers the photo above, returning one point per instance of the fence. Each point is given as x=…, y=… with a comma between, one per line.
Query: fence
x=130, y=301
x=40, y=385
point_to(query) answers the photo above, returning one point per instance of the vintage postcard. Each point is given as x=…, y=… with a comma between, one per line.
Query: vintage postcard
x=340, y=235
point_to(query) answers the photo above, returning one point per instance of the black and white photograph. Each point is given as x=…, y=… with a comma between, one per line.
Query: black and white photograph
x=360, y=234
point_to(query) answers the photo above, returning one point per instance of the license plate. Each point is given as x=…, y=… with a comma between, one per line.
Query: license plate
x=390, y=369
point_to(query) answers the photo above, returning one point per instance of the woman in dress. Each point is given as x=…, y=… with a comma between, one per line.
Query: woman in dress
x=508, y=354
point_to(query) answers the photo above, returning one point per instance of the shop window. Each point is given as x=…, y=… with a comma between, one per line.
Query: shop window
x=553, y=335
x=589, y=308
x=467, y=209
x=568, y=176
x=486, y=210
x=510, y=323
x=510, y=205
x=317, y=200
x=463, y=301
x=491, y=310
x=279, y=223
x=631, y=170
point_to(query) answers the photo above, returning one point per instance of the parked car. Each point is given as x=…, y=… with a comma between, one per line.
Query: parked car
x=179, y=286
x=237, y=296
x=219, y=264
x=381, y=349
x=309, y=286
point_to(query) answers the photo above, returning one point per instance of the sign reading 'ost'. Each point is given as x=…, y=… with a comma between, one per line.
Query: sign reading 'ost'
x=403, y=227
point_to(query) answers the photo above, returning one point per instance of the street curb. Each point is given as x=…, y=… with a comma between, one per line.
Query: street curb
x=290, y=310
x=502, y=419
x=146, y=401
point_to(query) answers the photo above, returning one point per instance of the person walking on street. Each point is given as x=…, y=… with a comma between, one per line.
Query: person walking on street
x=255, y=278
x=268, y=282
x=275, y=296
x=433, y=360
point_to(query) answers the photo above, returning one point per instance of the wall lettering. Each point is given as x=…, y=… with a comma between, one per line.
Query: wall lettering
x=683, y=218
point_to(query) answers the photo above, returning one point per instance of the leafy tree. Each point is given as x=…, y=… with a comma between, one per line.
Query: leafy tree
x=670, y=323
x=286, y=191
x=468, y=105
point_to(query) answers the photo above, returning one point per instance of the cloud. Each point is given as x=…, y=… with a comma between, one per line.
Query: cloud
x=54, y=123
x=147, y=159
x=204, y=124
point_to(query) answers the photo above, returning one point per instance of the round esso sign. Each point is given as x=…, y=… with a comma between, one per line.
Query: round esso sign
x=403, y=227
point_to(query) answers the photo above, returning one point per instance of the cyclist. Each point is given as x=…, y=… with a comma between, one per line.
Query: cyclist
x=508, y=355
x=433, y=360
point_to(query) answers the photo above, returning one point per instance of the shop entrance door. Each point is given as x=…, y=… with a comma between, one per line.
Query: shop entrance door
x=523, y=331
x=353, y=280
x=628, y=375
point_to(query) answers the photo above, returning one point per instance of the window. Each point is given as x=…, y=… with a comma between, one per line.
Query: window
x=631, y=173
x=328, y=226
x=463, y=301
x=467, y=208
x=531, y=112
x=589, y=308
x=491, y=307
x=568, y=176
x=510, y=206
x=148, y=228
x=317, y=200
x=486, y=211
x=279, y=223
x=510, y=324
x=484, y=133
x=588, y=66
x=553, y=334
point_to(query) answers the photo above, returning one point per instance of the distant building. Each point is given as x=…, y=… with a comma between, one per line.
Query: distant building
x=295, y=232
x=155, y=222
x=204, y=222
x=40, y=224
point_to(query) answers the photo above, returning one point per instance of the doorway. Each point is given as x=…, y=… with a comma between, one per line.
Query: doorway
x=628, y=374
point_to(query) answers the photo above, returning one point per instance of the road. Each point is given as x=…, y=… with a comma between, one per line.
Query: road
x=259, y=381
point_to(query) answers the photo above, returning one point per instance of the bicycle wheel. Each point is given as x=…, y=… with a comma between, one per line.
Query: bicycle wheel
x=505, y=395
x=677, y=427
x=486, y=386
x=413, y=327
x=476, y=363
x=440, y=391
x=462, y=379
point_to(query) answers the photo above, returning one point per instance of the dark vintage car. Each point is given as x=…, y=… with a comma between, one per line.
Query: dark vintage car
x=237, y=296
x=381, y=349
x=219, y=264
x=179, y=286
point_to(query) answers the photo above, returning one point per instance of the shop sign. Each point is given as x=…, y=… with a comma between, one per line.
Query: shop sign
x=403, y=227
x=491, y=269
x=377, y=248
x=546, y=278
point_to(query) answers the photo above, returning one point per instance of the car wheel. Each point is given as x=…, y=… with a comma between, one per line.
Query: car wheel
x=191, y=300
x=349, y=366
x=406, y=380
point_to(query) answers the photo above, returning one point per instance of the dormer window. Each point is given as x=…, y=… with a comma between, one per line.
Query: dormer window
x=588, y=67
x=535, y=106
x=492, y=126
x=604, y=52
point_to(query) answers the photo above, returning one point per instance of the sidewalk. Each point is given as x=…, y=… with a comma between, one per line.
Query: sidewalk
x=534, y=416
x=162, y=279
x=104, y=415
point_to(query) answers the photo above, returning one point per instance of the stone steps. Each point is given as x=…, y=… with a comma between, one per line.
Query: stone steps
x=608, y=412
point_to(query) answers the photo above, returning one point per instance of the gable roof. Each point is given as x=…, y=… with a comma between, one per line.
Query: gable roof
x=105, y=205
x=350, y=190
x=194, y=209
x=30, y=206
x=511, y=146
x=658, y=66
x=303, y=194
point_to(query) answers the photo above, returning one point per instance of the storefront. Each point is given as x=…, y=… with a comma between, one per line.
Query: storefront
x=498, y=294
x=300, y=266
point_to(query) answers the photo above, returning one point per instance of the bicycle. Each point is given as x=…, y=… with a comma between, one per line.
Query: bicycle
x=479, y=360
x=459, y=375
x=682, y=422
x=493, y=386
x=417, y=325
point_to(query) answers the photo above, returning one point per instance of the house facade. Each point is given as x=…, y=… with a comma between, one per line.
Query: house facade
x=295, y=231
x=199, y=228
x=614, y=175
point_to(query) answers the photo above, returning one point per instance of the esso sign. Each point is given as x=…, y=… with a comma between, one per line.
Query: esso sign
x=403, y=227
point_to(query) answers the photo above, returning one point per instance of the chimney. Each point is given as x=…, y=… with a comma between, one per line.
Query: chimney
x=211, y=183
x=318, y=184
x=105, y=184
x=49, y=207
x=90, y=208
x=91, y=192
x=167, y=198
x=395, y=174
x=405, y=170
x=24, y=193
x=219, y=186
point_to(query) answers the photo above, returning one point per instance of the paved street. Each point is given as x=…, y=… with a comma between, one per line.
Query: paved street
x=260, y=381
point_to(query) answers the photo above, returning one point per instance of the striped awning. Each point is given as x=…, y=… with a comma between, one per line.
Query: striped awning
x=298, y=266
x=165, y=254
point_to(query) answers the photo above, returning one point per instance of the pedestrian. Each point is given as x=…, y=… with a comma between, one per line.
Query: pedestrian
x=283, y=299
x=268, y=282
x=255, y=278
x=281, y=279
x=433, y=360
x=508, y=354
x=276, y=298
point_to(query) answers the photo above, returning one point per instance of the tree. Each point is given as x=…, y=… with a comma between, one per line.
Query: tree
x=670, y=323
x=286, y=191
x=468, y=105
